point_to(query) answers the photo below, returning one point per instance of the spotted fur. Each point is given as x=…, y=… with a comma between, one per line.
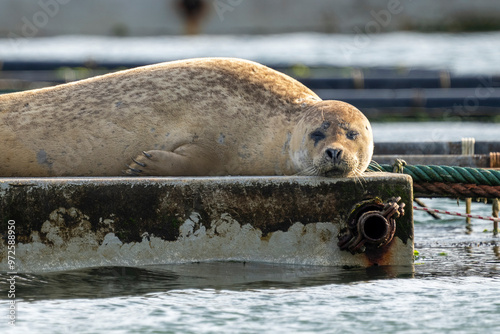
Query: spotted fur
x=207, y=116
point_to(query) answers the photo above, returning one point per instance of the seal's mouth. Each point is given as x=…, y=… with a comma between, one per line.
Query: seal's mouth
x=327, y=171
x=336, y=172
x=328, y=168
x=338, y=168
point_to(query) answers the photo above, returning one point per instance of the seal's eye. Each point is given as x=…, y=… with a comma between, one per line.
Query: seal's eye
x=317, y=136
x=352, y=135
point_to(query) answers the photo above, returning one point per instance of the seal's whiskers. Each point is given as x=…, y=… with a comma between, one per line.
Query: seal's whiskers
x=309, y=171
x=359, y=176
x=375, y=166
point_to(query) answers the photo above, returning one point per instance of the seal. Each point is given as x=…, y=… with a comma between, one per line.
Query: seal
x=205, y=116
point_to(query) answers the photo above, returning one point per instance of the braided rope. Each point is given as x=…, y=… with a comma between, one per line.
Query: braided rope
x=456, y=190
x=446, y=180
x=448, y=174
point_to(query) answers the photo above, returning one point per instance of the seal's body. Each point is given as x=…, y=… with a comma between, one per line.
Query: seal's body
x=208, y=116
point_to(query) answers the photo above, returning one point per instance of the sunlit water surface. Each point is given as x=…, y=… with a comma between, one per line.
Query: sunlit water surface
x=472, y=53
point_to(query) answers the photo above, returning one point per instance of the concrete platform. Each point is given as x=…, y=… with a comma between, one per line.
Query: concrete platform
x=67, y=223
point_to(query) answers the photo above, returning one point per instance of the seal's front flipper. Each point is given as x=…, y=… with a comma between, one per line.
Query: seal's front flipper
x=138, y=165
x=164, y=163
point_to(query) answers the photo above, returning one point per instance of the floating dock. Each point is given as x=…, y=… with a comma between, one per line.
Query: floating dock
x=66, y=223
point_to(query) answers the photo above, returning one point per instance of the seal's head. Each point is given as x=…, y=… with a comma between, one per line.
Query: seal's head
x=333, y=138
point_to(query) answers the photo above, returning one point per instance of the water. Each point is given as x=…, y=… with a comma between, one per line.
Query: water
x=435, y=131
x=425, y=305
x=473, y=53
x=452, y=288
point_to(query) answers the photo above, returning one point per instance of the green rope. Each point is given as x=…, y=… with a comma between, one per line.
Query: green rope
x=467, y=175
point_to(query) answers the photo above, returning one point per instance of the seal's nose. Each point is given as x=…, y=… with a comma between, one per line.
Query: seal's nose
x=334, y=155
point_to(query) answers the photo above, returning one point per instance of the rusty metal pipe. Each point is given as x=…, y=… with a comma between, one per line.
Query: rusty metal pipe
x=374, y=228
x=371, y=224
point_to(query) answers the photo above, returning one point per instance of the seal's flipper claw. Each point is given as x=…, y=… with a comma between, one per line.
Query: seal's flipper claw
x=142, y=164
x=145, y=164
x=134, y=170
x=129, y=172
